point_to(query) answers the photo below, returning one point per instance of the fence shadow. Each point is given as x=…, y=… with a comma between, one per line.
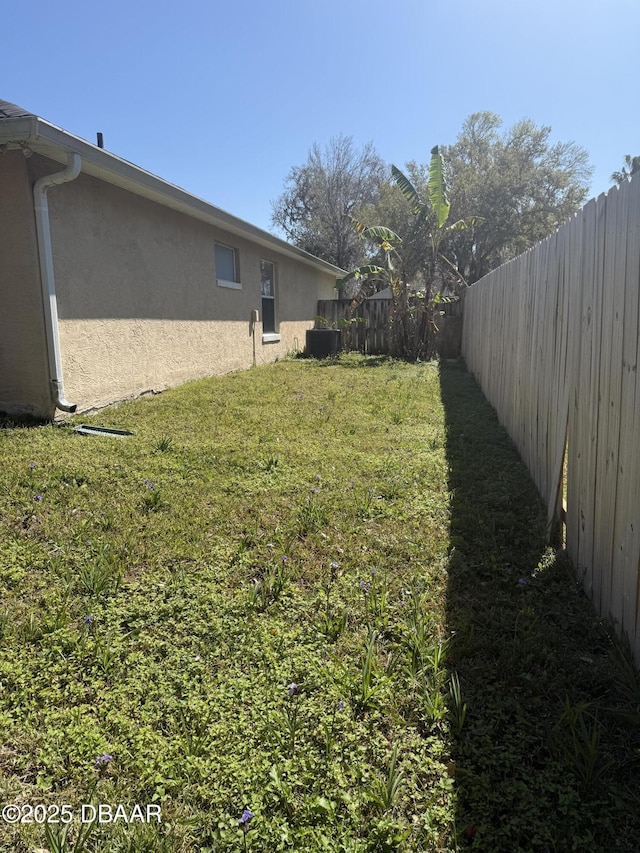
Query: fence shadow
x=547, y=758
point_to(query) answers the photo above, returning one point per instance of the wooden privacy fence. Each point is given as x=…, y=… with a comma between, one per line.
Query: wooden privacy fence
x=552, y=338
x=370, y=335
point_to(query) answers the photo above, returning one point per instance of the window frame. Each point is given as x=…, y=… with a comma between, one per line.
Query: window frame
x=270, y=335
x=235, y=283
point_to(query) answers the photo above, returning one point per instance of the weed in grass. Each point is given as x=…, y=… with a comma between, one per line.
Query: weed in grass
x=101, y=575
x=106, y=521
x=106, y=654
x=194, y=729
x=77, y=481
x=269, y=463
x=312, y=515
x=153, y=500
x=57, y=621
x=57, y=831
x=375, y=594
x=59, y=841
x=457, y=707
x=416, y=639
x=288, y=721
x=295, y=352
x=434, y=443
x=437, y=656
x=31, y=630
x=60, y=566
x=150, y=838
x=388, y=835
x=577, y=738
x=177, y=572
x=330, y=623
x=525, y=628
x=281, y=790
x=364, y=504
x=627, y=675
x=5, y=623
x=367, y=686
x=163, y=444
x=385, y=793
x=433, y=707
x=329, y=730
x=269, y=588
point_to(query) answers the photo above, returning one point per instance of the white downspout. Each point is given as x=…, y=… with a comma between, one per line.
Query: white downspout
x=43, y=232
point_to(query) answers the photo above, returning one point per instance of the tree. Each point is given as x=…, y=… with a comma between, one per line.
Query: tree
x=631, y=166
x=321, y=195
x=411, y=317
x=519, y=185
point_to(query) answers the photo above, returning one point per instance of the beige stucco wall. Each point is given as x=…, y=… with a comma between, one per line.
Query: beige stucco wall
x=138, y=302
x=24, y=379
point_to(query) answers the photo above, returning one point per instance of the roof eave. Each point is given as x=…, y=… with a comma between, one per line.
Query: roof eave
x=54, y=142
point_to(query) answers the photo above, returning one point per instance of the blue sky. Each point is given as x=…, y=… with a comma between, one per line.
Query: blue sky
x=223, y=98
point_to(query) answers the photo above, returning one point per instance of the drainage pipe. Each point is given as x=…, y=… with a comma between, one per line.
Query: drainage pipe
x=45, y=254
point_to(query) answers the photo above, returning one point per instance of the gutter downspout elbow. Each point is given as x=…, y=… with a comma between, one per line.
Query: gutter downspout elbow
x=47, y=279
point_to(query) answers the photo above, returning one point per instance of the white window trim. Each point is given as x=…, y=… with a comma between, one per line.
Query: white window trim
x=223, y=282
x=270, y=337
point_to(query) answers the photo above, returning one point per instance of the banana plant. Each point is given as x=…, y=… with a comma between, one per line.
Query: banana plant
x=387, y=241
x=412, y=316
x=438, y=202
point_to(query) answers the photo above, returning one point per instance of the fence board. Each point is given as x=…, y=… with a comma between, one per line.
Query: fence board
x=552, y=338
x=580, y=344
x=627, y=536
x=587, y=402
x=617, y=413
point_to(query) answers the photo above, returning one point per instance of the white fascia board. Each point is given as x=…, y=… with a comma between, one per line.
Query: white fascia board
x=54, y=142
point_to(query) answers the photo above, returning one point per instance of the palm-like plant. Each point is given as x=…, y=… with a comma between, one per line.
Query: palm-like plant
x=412, y=315
x=631, y=166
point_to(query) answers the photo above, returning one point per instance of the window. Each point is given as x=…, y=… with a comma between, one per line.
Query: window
x=227, y=267
x=267, y=285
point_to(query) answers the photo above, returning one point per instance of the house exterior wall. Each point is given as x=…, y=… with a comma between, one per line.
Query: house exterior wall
x=139, y=306
x=24, y=378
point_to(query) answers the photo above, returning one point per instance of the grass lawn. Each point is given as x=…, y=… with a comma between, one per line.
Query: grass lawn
x=315, y=591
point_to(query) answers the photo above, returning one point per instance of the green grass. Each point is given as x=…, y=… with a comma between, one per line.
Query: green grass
x=297, y=590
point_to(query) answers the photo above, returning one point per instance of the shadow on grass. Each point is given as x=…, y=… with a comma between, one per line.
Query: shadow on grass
x=548, y=755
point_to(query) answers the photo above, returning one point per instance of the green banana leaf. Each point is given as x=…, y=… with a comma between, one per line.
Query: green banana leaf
x=463, y=224
x=438, y=195
x=407, y=189
x=366, y=271
x=384, y=237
